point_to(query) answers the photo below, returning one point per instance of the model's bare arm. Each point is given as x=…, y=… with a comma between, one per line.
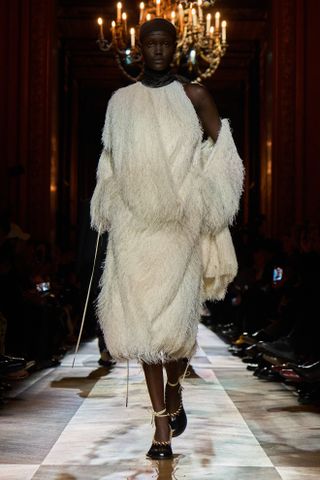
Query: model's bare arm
x=206, y=109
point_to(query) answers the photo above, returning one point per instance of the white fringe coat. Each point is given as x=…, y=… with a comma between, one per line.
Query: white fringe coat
x=167, y=198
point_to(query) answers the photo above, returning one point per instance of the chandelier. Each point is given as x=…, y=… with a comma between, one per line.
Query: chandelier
x=201, y=37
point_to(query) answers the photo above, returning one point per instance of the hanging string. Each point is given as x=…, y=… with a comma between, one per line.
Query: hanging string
x=186, y=370
x=87, y=298
x=127, y=394
x=185, y=374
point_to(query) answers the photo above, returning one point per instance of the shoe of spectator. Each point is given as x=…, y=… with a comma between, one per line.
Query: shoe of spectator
x=259, y=336
x=252, y=367
x=223, y=326
x=236, y=351
x=247, y=359
x=11, y=364
x=281, y=348
x=279, y=367
x=265, y=373
x=272, y=359
x=47, y=363
x=252, y=351
x=241, y=341
x=289, y=375
x=231, y=333
x=309, y=373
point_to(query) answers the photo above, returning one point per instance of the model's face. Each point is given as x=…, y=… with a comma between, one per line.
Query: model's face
x=158, y=49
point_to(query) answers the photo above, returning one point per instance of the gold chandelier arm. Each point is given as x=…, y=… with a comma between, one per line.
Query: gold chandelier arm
x=104, y=45
x=133, y=79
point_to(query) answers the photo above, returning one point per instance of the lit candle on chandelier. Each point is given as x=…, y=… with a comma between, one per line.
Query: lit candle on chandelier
x=119, y=6
x=224, y=31
x=211, y=31
x=141, y=12
x=148, y=16
x=158, y=7
x=194, y=17
x=200, y=10
x=133, y=37
x=208, y=23
x=181, y=16
x=113, y=28
x=100, y=22
x=217, y=18
x=124, y=18
x=173, y=17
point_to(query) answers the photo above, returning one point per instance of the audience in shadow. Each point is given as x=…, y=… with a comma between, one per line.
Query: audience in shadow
x=269, y=315
x=43, y=291
x=40, y=303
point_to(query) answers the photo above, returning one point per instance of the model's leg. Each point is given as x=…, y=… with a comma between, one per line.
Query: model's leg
x=154, y=380
x=174, y=371
x=173, y=396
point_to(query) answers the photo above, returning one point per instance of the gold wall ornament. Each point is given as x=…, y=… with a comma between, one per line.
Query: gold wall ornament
x=201, y=36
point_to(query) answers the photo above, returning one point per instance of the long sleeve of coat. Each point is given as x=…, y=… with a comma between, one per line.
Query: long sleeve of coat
x=221, y=181
x=104, y=192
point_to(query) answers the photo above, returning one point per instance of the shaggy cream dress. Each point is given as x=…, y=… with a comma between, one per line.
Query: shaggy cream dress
x=167, y=198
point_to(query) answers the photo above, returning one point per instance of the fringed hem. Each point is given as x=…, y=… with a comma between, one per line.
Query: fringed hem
x=154, y=358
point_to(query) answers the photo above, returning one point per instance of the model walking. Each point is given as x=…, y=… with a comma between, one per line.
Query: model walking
x=166, y=197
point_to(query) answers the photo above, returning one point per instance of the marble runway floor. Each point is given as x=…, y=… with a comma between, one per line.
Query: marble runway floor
x=71, y=424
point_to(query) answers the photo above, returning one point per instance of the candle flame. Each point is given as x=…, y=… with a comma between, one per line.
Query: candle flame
x=217, y=15
x=100, y=21
x=119, y=5
x=223, y=23
x=124, y=16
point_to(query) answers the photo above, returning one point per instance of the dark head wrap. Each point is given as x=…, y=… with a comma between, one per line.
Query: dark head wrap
x=155, y=78
x=155, y=25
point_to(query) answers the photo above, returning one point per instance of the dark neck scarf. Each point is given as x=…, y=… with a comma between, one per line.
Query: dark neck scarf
x=153, y=78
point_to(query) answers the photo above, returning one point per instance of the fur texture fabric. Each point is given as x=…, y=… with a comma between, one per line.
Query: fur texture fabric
x=166, y=199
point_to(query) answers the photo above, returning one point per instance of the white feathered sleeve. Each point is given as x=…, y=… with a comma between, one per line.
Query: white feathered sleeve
x=221, y=182
x=105, y=189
